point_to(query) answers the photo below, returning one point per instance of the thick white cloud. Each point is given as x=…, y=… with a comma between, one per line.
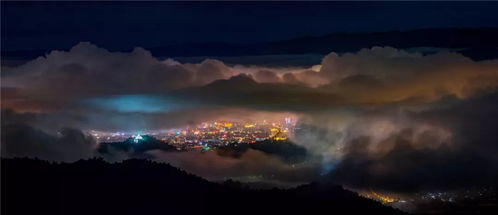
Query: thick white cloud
x=21, y=140
x=384, y=75
x=86, y=70
x=378, y=75
x=330, y=134
x=356, y=107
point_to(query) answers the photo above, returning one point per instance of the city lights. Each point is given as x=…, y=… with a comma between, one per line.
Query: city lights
x=207, y=135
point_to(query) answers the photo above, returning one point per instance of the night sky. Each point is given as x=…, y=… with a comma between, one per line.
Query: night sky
x=410, y=110
x=125, y=25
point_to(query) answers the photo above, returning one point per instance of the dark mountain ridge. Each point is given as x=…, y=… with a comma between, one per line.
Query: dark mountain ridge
x=136, y=145
x=144, y=187
x=476, y=43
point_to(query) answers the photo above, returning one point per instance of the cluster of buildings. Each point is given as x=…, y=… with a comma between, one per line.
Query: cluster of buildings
x=216, y=133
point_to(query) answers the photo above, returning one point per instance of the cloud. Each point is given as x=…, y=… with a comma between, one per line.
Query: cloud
x=265, y=76
x=331, y=134
x=392, y=75
x=442, y=168
x=86, y=70
x=376, y=118
x=454, y=149
x=252, y=166
x=380, y=75
x=384, y=75
x=264, y=164
x=21, y=140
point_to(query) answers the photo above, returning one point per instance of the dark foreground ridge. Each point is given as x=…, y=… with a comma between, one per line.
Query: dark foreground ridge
x=144, y=187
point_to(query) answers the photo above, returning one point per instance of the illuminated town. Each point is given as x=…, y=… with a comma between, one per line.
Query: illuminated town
x=211, y=134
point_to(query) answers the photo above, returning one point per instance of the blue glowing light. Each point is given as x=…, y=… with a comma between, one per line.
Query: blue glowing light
x=328, y=167
x=137, y=103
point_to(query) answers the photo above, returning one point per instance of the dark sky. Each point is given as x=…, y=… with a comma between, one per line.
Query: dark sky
x=42, y=25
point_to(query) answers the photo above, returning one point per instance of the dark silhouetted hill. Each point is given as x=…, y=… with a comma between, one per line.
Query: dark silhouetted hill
x=145, y=143
x=476, y=43
x=144, y=187
x=285, y=150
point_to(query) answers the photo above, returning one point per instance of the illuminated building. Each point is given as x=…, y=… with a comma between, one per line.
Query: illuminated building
x=137, y=138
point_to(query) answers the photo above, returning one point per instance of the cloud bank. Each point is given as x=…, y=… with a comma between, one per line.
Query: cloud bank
x=376, y=118
x=378, y=75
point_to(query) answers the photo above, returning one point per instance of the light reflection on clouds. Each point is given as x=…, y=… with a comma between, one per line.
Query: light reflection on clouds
x=137, y=103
